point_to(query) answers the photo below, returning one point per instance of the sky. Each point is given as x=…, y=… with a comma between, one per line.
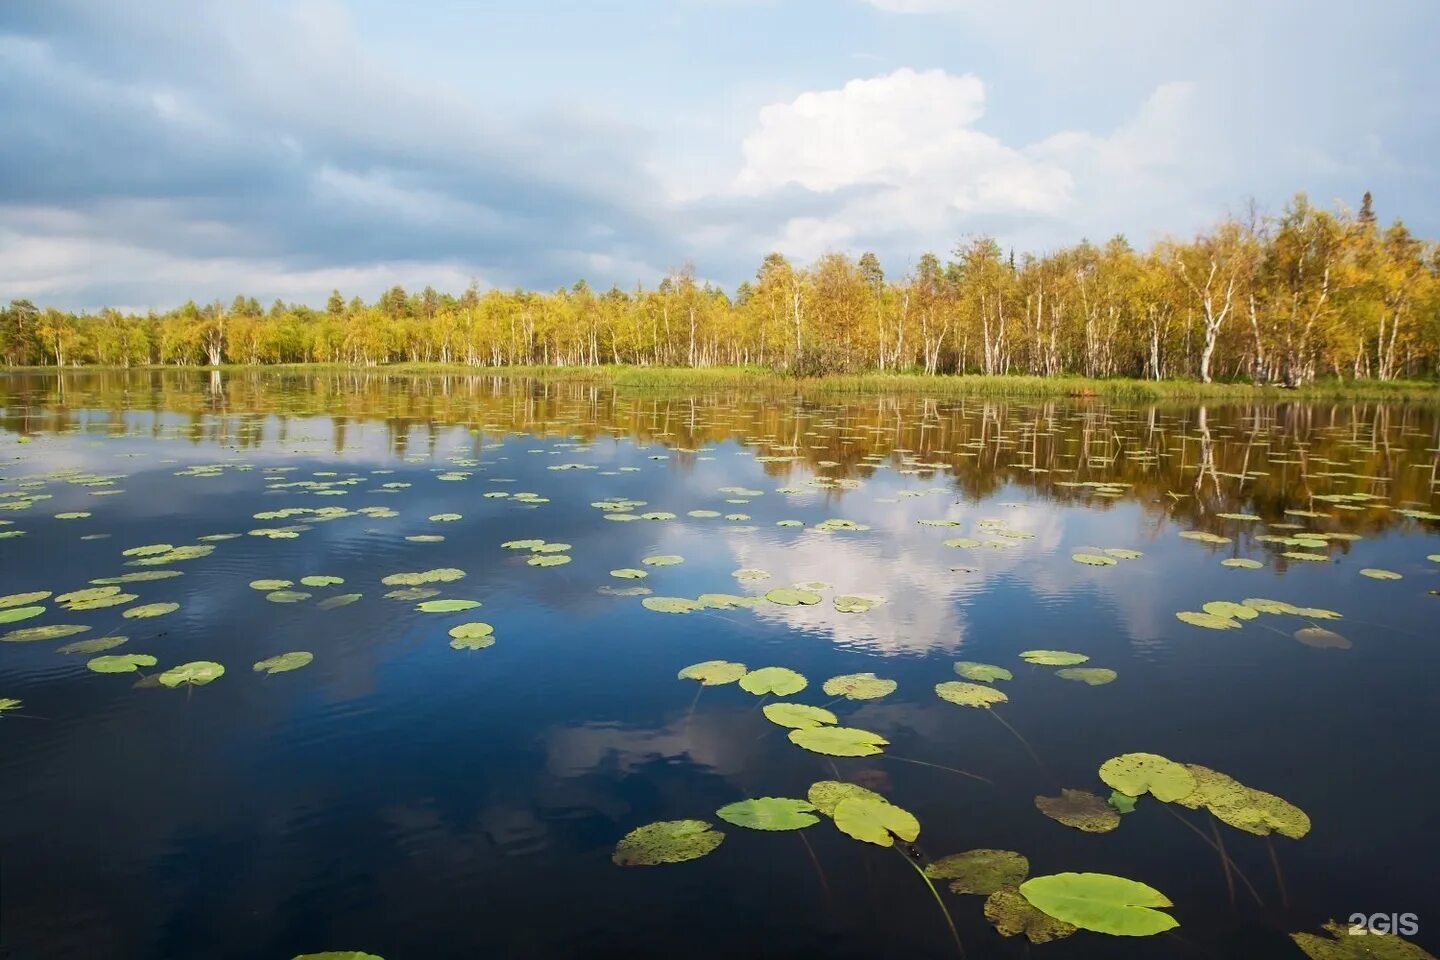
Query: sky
x=155, y=151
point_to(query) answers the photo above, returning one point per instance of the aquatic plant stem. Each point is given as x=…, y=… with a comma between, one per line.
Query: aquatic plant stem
x=1279, y=876
x=1211, y=844
x=949, y=921
x=1224, y=861
x=1026, y=743
x=819, y=870
x=690, y=714
x=937, y=766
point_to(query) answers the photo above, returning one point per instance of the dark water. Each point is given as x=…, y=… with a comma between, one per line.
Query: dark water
x=415, y=801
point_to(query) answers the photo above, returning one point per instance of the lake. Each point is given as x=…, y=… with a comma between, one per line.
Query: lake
x=425, y=787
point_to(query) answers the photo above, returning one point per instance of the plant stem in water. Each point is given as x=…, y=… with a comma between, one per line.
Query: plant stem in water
x=949, y=922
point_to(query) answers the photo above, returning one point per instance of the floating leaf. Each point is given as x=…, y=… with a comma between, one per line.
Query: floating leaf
x=320, y=580
x=668, y=841
x=197, y=673
x=769, y=813
x=1322, y=638
x=339, y=955
x=856, y=603
x=270, y=584
x=52, y=631
x=548, y=560
x=713, y=673
x=1093, y=559
x=1207, y=620
x=980, y=871
x=1080, y=809
x=662, y=560
x=827, y=794
x=983, y=672
x=284, y=662
x=1242, y=563
x=798, y=715
x=148, y=610
x=781, y=681
x=22, y=599
x=440, y=575
x=1342, y=944
x=96, y=645
x=12, y=614
x=859, y=686
x=750, y=574
x=121, y=663
x=629, y=573
x=1230, y=611
x=671, y=605
x=1012, y=914
x=874, y=820
x=793, y=597
x=1137, y=774
x=287, y=596
x=339, y=600
x=1092, y=676
x=838, y=741
x=472, y=636
x=1053, y=658
x=1244, y=808
x=969, y=694
x=1375, y=573
x=450, y=605
x=1100, y=902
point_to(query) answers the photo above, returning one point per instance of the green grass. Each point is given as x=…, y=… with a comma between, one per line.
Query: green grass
x=658, y=379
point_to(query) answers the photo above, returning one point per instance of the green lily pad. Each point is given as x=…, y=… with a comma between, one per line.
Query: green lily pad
x=769, y=813
x=339, y=955
x=629, y=573
x=668, y=841
x=450, y=605
x=1100, y=902
x=197, y=673
x=287, y=596
x=671, y=605
x=121, y=663
x=827, y=794
x=781, y=681
x=321, y=580
x=13, y=614
x=1375, y=573
x=983, y=672
x=1244, y=808
x=22, y=599
x=1242, y=563
x=965, y=694
x=662, y=560
x=1137, y=774
x=145, y=611
x=874, y=821
x=750, y=574
x=980, y=871
x=339, y=600
x=713, y=673
x=95, y=645
x=1122, y=802
x=53, y=631
x=798, y=715
x=1093, y=559
x=1080, y=809
x=1011, y=914
x=268, y=585
x=1229, y=610
x=548, y=560
x=793, y=597
x=1092, y=676
x=284, y=663
x=838, y=741
x=1206, y=620
x=856, y=603
x=439, y=575
x=1341, y=944
x=859, y=686
x=1053, y=658
x=1122, y=553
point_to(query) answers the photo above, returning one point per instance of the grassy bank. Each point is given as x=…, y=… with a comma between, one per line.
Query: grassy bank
x=657, y=379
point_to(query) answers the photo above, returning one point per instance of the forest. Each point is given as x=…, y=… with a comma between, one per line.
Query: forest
x=1289, y=298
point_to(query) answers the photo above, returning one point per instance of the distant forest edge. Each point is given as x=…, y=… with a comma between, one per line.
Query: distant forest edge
x=1288, y=299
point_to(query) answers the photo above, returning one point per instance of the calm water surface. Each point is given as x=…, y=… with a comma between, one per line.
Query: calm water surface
x=416, y=801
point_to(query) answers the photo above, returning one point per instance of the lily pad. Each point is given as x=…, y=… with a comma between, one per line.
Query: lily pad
x=197, y=673
x=983, y=672
x=769, y=813
x=798, y=715
x=287, y=596
x=548, y=560
x=793, y=597
x=148, y=610
x=668, y=841
x=1137, y=774
x=1375, y=573
x=321, y=580
x=662, y=560
x=671, y=605
x=713, y=673
x=1341, y=944
x=781, y=681
x=339, y=600
x=439, y=575
x=53, y=631
x=856, y=603
x=980, y=871
x=1242, y=563
x=965, y=694
x=1094, y=559
x=1321, y=638
x=1053, y=658
x=450, y=605
x=859, y=686
x=1206, y=620
x=22, y=599
x=95, y=645
x=284, y=663
x=874, y=821
x=1091, y=676
x=1230, y=610
x=750, y=574
x=1080, y=809
x=121, y=663
x=1011, y=914
x=827, y=794
x=13, y=614
x=629, y=573
x=1100, y=902
x=268, y=585
x=1244, y=808
x=339, y=955
x=838, y=741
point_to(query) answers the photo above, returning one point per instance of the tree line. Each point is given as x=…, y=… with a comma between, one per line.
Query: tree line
x=1285, y=298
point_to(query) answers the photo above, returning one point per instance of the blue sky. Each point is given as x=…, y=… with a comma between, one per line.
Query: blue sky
x=156, y=150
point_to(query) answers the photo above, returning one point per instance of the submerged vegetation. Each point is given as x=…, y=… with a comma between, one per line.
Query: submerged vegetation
x=1291, y=299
